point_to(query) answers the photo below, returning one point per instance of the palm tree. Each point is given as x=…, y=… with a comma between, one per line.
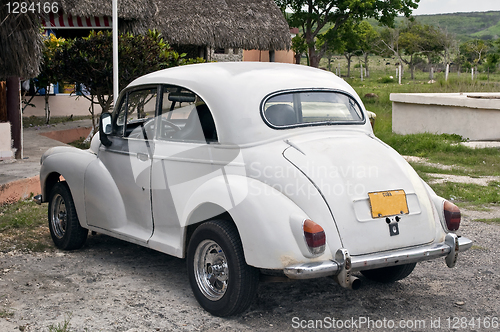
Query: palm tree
x=20, y=56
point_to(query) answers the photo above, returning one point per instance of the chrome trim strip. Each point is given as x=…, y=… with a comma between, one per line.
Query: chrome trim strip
x=312, y=270
x=464, y=244
x=378, y=260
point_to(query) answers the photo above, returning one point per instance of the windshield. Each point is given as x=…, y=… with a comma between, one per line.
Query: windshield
x=311, y=107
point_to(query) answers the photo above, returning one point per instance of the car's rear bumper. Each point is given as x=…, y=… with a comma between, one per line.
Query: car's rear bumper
x=449, y=248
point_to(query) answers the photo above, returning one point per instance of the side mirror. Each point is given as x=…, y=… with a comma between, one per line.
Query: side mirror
x=105, y=128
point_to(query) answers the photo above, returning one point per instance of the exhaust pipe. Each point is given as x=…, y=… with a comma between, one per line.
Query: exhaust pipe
x=344, y=278
x=351, y=282
x=355, y=283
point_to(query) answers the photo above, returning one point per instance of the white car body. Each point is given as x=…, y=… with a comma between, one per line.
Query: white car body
x=267, y=180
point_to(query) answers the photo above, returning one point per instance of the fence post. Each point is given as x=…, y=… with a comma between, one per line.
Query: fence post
x=400, y=72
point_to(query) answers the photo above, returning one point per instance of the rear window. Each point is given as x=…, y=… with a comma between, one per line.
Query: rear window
x=298, y=108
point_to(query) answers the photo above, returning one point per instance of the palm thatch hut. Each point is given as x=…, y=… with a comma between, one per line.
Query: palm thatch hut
x=247, y=24
x=20, y=44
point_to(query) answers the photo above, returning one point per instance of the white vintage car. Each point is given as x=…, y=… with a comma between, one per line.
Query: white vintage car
x=247, y=169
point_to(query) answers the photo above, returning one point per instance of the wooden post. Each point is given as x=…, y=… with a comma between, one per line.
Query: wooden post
x=272, y=55
x=447, y=71
x=14, y=114
x=3, y=102
x=361, y=71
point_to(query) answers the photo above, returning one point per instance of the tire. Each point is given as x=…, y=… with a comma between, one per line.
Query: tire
x=64, y=226
x=389, y=274
x=231, y=288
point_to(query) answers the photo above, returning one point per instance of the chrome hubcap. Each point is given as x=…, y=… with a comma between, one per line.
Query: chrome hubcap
x=211, y=270
x=59, y=216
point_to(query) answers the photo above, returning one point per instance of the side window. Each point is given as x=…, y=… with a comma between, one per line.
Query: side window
x=135, y=117
x=185, y=117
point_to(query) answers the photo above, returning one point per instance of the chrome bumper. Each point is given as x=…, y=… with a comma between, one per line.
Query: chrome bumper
x=449, y=248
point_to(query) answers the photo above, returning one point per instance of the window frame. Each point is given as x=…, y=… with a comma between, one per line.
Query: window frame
x=124, y=96
x=362, y=121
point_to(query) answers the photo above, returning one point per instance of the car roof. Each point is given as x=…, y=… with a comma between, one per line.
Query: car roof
x=234, y=92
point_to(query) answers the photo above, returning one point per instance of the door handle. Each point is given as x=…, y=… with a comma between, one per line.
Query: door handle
x=142, y=156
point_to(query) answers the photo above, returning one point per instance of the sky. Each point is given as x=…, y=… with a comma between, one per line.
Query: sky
x=453, y=6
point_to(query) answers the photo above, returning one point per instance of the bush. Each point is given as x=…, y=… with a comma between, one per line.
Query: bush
x=386, y=79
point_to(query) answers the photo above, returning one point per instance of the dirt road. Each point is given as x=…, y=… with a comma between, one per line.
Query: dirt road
x=111, y=285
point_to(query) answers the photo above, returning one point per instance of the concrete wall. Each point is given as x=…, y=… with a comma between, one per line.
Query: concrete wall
x=263, y=56
x=5, y=141
x=61, y=105
x=450, y=113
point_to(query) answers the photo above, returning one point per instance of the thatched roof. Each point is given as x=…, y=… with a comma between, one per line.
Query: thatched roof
x=20, y=44
x=127, y=9
x=249, y=24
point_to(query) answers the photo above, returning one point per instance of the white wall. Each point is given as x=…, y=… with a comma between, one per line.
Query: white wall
x=5, y=141
x=450, y=113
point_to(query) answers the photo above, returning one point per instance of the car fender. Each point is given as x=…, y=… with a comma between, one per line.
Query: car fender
x=70, y=163
x=265, y=218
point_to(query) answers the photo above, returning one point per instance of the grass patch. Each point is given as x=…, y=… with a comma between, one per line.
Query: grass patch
x=39, y=121
x=470, y=194
x=62, y=327
x=5, y=314
x=490, y=221
x=23, y=226
x=79, y=143
x=445, y=149
x=431, y=169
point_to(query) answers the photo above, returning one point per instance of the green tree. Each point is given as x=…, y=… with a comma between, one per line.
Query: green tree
x=474, y=51
x=49, y=73
x=89, y=61
x=299, y=46
x=344, y=40
x=491, y=63
x=368, y=41
x=412, y=41
x=313, y=15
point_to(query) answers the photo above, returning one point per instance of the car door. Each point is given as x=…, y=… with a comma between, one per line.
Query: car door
x=182, y=162
x=118, y=184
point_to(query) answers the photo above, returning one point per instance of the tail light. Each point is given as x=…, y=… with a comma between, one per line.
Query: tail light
x=451, y=216
x=315, y=237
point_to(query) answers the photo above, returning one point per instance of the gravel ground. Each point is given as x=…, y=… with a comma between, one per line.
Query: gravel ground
x=111, y=285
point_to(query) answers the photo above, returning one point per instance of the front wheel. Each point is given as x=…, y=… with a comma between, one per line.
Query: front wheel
x=64, y=226
x=221, y=281
x=389, y=274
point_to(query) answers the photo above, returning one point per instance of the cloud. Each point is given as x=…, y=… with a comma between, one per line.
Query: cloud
x=453, y=6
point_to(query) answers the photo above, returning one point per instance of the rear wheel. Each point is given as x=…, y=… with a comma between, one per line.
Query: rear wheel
x=390, y=274
x=64, y=226
x=221, y=280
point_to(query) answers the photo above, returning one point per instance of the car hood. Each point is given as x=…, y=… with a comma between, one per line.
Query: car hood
x=345, y=168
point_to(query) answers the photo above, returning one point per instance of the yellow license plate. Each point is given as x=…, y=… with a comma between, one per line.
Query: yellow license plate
x=388, y=203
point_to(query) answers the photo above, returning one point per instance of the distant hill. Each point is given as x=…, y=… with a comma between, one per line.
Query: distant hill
x=465, y=26
x=483, y=25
